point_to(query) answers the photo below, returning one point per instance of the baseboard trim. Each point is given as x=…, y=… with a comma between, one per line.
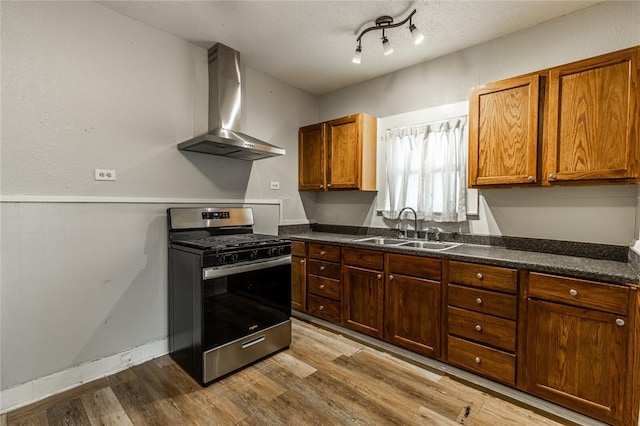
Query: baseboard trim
x=43, y=387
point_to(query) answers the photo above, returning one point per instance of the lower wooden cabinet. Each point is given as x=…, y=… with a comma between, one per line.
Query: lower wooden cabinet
x=324, y=288
x=573, y=342
x=363, y=291
x=579, y=356
x=412, y=303
x=298, y=276
x=481, y=320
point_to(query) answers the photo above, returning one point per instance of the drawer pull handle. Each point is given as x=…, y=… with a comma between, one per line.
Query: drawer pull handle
x=479, y=301
x=477, y=360
x=479, y=276
x=322, y=253
x=478, y=327
x=321, y=307
x=301, y=260
x=322, y=268
x=573, y=292
x=390, y=277
x=379, y=276
x=620, y=322
x=321, y=286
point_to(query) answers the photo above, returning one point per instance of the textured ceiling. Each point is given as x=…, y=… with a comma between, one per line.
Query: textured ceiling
x=310, y=44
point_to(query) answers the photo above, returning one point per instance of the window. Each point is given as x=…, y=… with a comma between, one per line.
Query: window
x=426, y=169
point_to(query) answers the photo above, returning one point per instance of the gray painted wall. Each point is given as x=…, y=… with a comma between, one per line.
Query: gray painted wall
x=602, y=214
x=83, y=88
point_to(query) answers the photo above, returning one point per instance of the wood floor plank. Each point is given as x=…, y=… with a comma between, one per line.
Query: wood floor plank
x=37, y=419
x=296, y=366
x=102, y=408
x=68, y=413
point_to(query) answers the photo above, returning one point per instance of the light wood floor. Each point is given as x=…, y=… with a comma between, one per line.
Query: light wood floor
x=323, y=379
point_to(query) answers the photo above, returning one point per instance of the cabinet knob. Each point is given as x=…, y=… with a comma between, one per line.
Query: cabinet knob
x=321, y=307
x=321, y=286
x=479, y=301
x=390, y=277
x=531, y=179
x=620, y=322
x=478, y=327
x=477, y=360
x=552, y=176
x=322, y=253
x=301, y=260
x=479, y=276
x=321, y=186
x=379, y=276
x=573, y=292
x=322, y=268
x=328, y=185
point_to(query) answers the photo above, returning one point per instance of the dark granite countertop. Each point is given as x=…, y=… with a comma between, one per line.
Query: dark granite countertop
x=579, y=267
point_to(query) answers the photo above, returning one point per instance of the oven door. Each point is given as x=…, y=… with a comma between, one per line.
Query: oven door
x=240, y=300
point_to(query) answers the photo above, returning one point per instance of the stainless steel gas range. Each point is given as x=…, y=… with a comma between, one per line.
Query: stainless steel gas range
x=229, y=291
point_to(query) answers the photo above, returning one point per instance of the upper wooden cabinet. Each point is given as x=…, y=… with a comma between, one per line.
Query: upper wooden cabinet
x=338, y=155
x=592, y=129
x=576, y=123
x=503, y=132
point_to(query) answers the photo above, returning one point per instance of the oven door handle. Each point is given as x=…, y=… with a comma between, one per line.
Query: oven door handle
x=224, y=271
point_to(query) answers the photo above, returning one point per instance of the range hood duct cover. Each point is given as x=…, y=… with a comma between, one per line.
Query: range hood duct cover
x=225, y=99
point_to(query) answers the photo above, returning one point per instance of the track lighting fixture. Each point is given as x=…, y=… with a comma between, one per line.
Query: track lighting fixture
x=383, y=23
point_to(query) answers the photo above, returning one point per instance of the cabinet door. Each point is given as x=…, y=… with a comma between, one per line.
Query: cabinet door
x=576, y=357
x=592, y=128
x=344, y=140
x=299, y=283
x=503, y=132
x=312, y=157
x=412, y=312
x=362, y=300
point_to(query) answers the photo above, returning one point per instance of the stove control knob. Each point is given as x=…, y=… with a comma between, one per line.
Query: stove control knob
x=254, y=254
x=219, y=259
x=234, y=258
x=280, y=251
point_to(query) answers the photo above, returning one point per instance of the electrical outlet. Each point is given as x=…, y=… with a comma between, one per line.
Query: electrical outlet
x=102, y=174
x=275, y=185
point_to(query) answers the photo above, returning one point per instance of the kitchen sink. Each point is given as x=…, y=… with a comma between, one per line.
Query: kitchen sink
x=419, y=244
x=381, y=241
x=429, y=245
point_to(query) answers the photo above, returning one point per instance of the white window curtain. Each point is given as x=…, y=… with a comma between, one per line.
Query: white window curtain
x=426, y=170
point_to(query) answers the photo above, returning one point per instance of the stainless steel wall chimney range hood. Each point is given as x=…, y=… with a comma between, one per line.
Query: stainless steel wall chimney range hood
x=225, y=99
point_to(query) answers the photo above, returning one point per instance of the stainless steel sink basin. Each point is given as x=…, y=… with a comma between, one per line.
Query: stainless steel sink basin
x=381, y=241
x=429, y=245
x=419, y=244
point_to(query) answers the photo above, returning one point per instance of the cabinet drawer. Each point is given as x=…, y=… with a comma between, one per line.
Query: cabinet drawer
x=495, y=364
x=324, y=269
x=487, y=329
x=324, y=251
x=324, y=308
x=363, y=258
x=488, y=302
x=587, y=294
x=298, y=248
x=414, y=266
x=484, y=276
x=324, y=287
